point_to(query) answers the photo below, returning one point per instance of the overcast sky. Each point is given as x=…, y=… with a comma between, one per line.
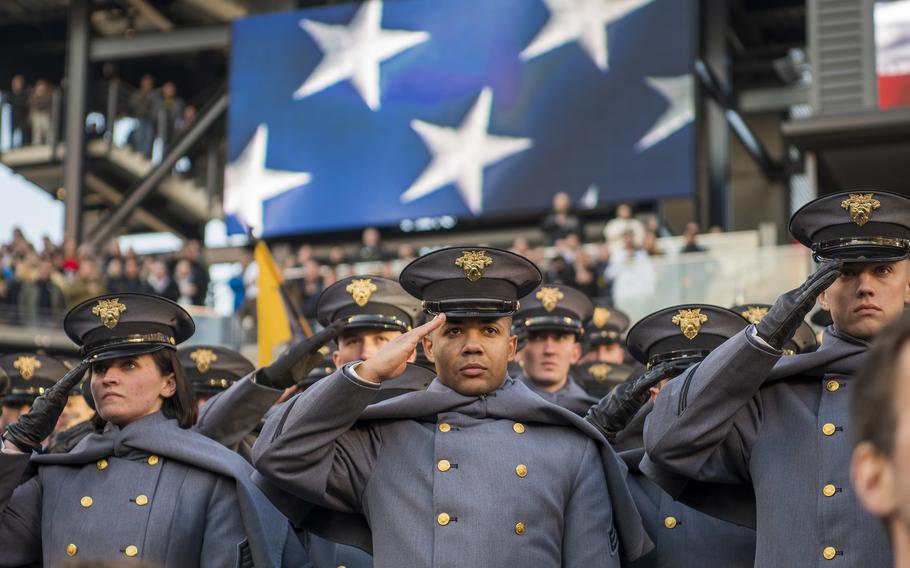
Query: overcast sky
x=26, y=205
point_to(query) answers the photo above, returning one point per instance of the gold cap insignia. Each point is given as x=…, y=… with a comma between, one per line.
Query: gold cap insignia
x=600, y=371
x=474, y=262
x=109, y=311
x=26, y=366
x=361, y=290
x=754, y=314
x=689, y=322
x=549, y=297
x=861, y=206
x=601, y=317
x=203, y=359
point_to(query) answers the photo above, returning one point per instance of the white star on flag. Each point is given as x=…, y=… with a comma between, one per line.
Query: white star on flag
x=679, y=93
x=248, y=182
x=584, y=21
x=355, y=51
x=460, y=154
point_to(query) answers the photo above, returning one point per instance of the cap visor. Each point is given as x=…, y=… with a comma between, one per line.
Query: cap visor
x=124, y=351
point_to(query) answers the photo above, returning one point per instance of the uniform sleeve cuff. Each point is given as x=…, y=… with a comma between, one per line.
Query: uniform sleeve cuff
x=757, y=341
x=351, y=374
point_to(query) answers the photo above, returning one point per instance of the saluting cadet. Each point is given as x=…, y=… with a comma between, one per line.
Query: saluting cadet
x=553, y=317
x=749, y=415
x=145, y=487
x=29, y=375
x=667, y=344
x=477, y=470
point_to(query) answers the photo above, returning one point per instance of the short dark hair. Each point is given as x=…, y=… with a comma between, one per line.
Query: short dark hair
x=182, y=406
x=872, y=409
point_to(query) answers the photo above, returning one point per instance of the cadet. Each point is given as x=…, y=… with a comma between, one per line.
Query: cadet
x=212, y=369
x=553, y=317
x=364, y=313
x=29, y=375
x=476, y=470
x=605, y=362
x=146, y=488
x=748, y=415
x=683, y=536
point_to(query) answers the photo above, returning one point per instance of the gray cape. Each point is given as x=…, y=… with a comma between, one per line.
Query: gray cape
x=269, y=534
x=521, y=405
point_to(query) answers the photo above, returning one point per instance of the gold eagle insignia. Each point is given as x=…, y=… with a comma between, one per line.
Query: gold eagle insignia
x=26, y=365
x=361, y=289
x=109, y=312
x=860, y=206
x=601, y=317
x=203, y=359
x=754, y=314
x=689, y=322
x=474, y=262
x=600, y=371
x=549, y=297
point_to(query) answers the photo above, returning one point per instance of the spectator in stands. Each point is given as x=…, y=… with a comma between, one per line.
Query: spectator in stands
x=236, y=282
x=144, y=105
x=70, y=262
x=48, y=248
x=560, y=223
x=631, y=275
x=304, y=254
x=172, y=107
x=161, y=282
x=40, y=295
x=370, y=248
x=650, y=244
x=520, y=246
x=406, y=253
x=310, y=288
x=18, y=102
x=192, y=253
x=689, y=238
x=40, y=102
x=336, y=256
x=616, y=229
x=183, y=278
x=114, y=278
x=132, y=277
x=188, y=119
x=87, y=282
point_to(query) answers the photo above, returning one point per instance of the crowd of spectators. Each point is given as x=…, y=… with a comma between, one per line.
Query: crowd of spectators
x=39, y=283
x=157, y=112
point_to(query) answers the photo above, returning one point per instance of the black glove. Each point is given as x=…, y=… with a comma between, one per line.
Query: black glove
x=301, y=358
x=31, y=429
x=615, y=410
x=788, y=312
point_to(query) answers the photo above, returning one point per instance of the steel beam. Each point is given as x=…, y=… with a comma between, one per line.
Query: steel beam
x=144, y=187
x=714, y=53
x=74, y=128
x=160, y=43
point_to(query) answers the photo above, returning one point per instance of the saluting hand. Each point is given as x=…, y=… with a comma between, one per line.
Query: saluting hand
x=31, y=429
x=790, y=309
x=391, y=360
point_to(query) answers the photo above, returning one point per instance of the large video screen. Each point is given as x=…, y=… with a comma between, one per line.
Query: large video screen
x=366, y=114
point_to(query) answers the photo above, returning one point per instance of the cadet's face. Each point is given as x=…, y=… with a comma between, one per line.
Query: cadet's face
x=130, y=388
x=867, y=296
x=547, y=358
x=883, y=482
x=471, y=354
x=606, y=353
x=361, y=344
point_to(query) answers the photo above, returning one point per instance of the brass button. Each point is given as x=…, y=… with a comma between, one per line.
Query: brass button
x=443, y=465
x=832, y=385
x=443, y=519
x=71, y=549
x=829, y=552
x=519, y=528
x=86, y=501
x=521, y=470
x=131, y=550
x=444, y=427
x=519, y=428
x=142, y=500
x=101, y=464
x=828, y=429
x=153, y=460
x=829, y=490
x=670, y=522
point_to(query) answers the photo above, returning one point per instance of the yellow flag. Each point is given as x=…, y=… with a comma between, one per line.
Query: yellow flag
x=270, y=313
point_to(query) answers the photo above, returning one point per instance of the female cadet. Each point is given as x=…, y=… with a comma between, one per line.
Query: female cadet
x=144, y=486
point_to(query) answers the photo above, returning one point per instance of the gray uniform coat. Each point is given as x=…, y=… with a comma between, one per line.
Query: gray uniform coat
x=747, y=416
x=436, y=478
x=233, y=418
x=151, y=491
x=571, y=396
x=683, y=537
